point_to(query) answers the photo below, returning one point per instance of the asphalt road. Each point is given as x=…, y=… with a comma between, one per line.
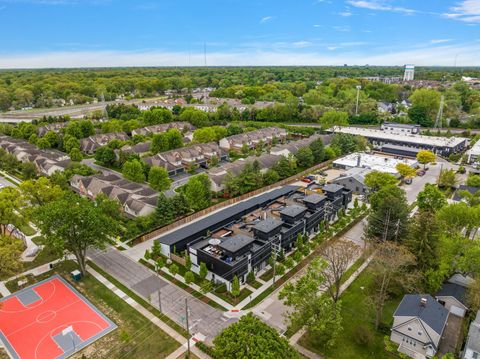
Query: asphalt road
x=203, y=318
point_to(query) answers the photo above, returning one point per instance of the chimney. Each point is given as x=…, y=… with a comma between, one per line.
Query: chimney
x=423, y=302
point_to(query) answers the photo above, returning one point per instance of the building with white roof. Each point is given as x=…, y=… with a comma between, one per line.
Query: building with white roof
x=474, y=153
x=373, y=162
x=443, y=146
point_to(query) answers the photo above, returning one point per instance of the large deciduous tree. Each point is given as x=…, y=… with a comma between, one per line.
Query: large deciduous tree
x=338, y=256
x=250, y=338
x=388, y=219
x=391, y=266
x=75, y=224
x=10, y=251
x=376, y=180
x=318, y=313
x=198, y=192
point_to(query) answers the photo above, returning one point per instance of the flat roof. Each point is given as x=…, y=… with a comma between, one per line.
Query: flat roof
x=268, y=225
x=314, y=198
x=293, y=211
x=374, y=162
x=407, y=138
x=475, y=150
x=213, y=219
x=332, y=187
x=235, y=243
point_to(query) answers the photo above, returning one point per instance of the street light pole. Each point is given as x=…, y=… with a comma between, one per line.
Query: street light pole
x=358, y=99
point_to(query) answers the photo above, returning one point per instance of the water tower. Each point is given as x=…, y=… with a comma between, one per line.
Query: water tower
x=409, y=73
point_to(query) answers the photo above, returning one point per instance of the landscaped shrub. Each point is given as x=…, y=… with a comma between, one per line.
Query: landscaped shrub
x=363, y=335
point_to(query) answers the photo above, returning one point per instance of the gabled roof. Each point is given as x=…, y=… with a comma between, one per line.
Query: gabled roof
x=332, y=187
x=462, y=187
x=453, y=290
x=432, y=313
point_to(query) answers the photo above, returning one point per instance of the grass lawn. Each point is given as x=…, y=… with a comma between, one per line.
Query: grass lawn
x=27, y=230
x=135, y=337
x=358, y=322
x=227, y=296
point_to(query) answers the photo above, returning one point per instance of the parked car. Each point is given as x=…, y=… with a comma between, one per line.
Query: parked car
x=306, y=180
x=420, y=173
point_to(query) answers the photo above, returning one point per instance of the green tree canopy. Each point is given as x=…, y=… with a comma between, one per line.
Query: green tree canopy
x=250, y=338
x=133, y=170
x=75, y=224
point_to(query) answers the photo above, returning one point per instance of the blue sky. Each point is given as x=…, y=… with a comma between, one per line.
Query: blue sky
x=70, y=33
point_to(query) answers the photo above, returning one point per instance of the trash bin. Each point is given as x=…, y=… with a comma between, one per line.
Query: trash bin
x=76, y=275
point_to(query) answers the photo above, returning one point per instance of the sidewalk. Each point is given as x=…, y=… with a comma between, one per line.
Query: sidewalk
x=44, y=268
x=153, y=318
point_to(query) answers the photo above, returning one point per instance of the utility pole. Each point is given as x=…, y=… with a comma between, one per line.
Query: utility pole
x=159, y=289
x=358, y=99
x=188, y=328
x=387, y=223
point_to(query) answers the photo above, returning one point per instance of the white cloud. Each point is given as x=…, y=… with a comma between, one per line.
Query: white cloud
x=346, y=13
x=467, y=11
x=317, y=25
x=265, y=19
x=440, y=41
x=380, y=6
x=443, y=55
x=301, y=44
x=342, y=28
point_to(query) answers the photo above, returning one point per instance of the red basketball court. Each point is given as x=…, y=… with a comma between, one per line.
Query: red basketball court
x=49, y=320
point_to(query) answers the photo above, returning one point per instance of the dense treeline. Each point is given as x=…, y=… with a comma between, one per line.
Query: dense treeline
x=46, y=88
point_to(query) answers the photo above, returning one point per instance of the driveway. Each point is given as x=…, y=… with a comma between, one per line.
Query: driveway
x=452, y=336
x=203, y=319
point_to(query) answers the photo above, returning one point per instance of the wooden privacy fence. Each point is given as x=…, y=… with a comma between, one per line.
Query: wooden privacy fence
x=157, y=232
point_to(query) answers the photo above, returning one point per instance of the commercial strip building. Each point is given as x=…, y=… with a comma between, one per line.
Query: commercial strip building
x=443, y=146
x=136, y=199
x=46, y=161
x=241, y=238
x=373, y=162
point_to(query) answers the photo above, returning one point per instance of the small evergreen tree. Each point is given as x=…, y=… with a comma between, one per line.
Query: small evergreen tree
x=235, y=287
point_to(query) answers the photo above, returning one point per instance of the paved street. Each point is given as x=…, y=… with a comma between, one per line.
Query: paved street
x=203, y=318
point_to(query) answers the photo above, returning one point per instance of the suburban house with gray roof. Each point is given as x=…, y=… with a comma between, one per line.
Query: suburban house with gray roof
x=472, y=345
x=46, y=161
x=163, y=127
x=418, y=325
x=182, y=159
x=136, y=199
x=252, y=139
x=452, y=295
x=90, y=144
